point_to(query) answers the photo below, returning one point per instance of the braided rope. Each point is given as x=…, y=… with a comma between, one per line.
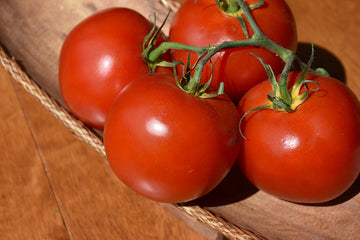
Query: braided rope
x=219, y=224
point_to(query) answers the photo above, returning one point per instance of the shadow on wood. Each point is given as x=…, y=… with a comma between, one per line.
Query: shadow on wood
x=233, y=188
x=324, y=59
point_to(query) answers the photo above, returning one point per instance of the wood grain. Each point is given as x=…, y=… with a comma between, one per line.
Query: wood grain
x=55, y=187
x=94, y=203
x=34, y=37
x=28, y=207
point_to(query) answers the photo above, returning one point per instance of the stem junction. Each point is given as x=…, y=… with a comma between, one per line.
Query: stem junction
x=281, y=99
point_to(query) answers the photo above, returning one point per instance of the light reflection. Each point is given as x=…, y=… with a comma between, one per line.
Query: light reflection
x=291, y=142
x=155, y=127
x=106, y=65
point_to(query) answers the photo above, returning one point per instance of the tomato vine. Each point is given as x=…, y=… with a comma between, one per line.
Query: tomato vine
x=238, y=9
x=282, y=99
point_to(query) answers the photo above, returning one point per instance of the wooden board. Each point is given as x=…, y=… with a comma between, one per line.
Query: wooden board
x=26, y=198
x=53, y=186
x=34, y=37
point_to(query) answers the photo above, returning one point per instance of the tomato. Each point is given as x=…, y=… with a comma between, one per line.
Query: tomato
x=99, y=57
x=310, y=155
x=203, y=23
x=169, y=145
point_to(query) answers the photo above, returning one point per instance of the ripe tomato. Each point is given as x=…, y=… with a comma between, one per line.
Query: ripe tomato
x=202, y=24
x=99, y=57
x=310, y=155
x=169, y=145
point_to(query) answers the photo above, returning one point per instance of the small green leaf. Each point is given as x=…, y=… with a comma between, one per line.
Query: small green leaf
x=270, y=73
x=278, y=103
x=322, y=71
x=297, y=86
x=243, y=26
x=221, y=88
x=256, y=5
x=204, y=87
x=311, y=81
x=265, y=106
x=148, y=37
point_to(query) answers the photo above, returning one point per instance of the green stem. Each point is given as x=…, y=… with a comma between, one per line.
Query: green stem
x=165, y=46
x=258, y=39
x=282, y=52
x=283, y=83
x=249, y=17
x=212, y=51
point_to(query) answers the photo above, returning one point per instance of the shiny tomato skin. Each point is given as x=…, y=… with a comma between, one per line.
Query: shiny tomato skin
x=311, y=155
x=99, y=57
x=202, y=24
x=168, y=145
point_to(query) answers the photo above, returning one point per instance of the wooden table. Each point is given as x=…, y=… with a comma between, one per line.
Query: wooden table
x=52, y=186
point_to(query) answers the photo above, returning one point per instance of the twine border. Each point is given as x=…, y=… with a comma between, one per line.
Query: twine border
x=85, y=134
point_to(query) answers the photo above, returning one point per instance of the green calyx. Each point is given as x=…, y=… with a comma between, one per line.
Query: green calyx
x=233, y=8
x=283, y=98
x=229, y=7
x=237, y=9
x=191, y=84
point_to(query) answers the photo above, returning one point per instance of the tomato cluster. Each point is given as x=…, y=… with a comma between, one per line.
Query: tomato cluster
x=171, y=133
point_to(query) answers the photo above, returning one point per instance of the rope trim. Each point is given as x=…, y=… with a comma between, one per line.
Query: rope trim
x=219, y=224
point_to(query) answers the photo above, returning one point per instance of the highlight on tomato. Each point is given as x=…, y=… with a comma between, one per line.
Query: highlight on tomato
x=203, y=23
x=305, y=149
x=170, y=145
x=99, y=57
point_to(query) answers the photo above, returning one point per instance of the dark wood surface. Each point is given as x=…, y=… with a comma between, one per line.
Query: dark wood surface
x=54, y=187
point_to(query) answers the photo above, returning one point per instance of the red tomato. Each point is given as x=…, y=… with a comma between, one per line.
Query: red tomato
x=99, y=57
x=203, y=24
x=310, y=155
x=169, y=145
